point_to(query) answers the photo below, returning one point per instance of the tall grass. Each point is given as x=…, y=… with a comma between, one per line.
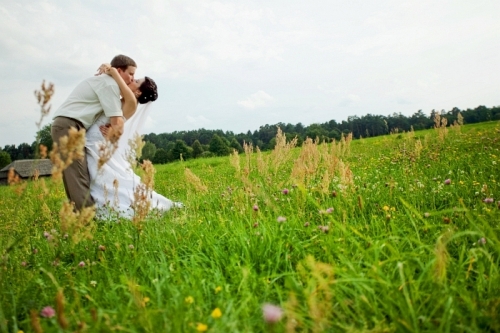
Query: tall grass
x=395, y=233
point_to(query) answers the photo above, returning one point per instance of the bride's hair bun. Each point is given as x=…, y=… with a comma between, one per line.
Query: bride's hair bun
x=149, y=91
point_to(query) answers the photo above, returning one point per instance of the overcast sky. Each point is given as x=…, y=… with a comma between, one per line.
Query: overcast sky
x=237, y=65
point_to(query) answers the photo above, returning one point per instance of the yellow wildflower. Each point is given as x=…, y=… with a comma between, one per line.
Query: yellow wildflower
x=216, y=313
x=201, y=327
x=386, y=208
x=146, y=299
x=189, y=300
x=218, y=289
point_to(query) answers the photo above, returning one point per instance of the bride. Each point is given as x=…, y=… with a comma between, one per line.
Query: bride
x=114, y=183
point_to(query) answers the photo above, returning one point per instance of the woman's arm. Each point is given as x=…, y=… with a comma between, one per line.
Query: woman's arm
x=129, y=105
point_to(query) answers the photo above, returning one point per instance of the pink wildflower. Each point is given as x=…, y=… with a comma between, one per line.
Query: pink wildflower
x=285, y=191
x=271, y=313
x=255, y=208
x=323, y=228
x=281, y=219
x=488, y=200
x=48, y=312
x=329, y=210
x=81, y=264
x=447, y=181
x=24, y=264
x=482, y=241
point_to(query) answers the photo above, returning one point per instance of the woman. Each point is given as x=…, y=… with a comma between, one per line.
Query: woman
x=113, y=183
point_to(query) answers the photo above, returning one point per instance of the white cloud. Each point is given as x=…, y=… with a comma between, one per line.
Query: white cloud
x=257, y=100
x=349, y=100
x=207, y=54
x=198, y=120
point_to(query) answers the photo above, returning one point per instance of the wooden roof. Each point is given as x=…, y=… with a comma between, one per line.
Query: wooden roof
x=26, y=168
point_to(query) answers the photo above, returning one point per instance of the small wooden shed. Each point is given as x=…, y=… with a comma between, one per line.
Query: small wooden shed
x=26, y=169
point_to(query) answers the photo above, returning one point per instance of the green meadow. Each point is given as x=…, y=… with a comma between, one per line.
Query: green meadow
x=398, y=233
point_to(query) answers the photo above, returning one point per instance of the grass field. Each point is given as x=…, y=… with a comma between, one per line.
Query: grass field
x=394, y=233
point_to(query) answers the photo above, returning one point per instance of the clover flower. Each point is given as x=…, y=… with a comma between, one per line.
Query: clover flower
x=323, y=228
x=271, y=313
x=285, y=191
x=488, y=200
x=447, y=181
x=48, y=312
x=81, y=264
x=281, y=219
x=255, y=208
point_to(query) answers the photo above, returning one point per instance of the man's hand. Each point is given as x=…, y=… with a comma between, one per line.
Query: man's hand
x=105, y=130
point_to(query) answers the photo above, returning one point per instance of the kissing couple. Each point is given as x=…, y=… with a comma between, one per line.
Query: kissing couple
x=106, y=107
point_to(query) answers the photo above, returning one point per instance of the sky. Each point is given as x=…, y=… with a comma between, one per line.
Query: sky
x=238, y=65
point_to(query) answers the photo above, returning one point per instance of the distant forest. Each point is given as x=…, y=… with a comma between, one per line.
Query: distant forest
x=168, y=147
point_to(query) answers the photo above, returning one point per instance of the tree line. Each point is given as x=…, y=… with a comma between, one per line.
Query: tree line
x=168, y=147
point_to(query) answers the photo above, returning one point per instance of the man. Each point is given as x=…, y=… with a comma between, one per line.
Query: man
x=81, y=108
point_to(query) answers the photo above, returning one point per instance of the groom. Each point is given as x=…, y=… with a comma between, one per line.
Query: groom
x=80, y=110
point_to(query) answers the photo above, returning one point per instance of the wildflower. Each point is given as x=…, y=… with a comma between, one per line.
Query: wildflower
x=281, y=219
x=24, y=264
x=334, y=194
x=447, y=181
x=488, y=200
x=329, y=210
x=131, y=247
x=46, y=234
x=201, y=327
x=386, y=208
x=285, y=191
x=216, y=313
x=256, y=224
x=146, y=300
x=102, y=248
x=323, y=228
x=218, y=289
x=255, y=208
x=189, y=300
x=48, y=312
x=482, y=241
x=271, y=313
x=426, y=214
x=93, y=283
x=35, y=251
x=306, y=224
x=81, y=264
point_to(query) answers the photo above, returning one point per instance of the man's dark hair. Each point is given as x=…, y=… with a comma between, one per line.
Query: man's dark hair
x=149, y=92
x=122, y=61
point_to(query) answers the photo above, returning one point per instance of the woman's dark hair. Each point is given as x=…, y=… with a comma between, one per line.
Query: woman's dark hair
x=149, y=92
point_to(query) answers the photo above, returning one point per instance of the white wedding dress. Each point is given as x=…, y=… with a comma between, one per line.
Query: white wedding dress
x=112, y=186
